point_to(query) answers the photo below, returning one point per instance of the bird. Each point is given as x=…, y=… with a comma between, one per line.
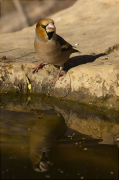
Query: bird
x=50, y=47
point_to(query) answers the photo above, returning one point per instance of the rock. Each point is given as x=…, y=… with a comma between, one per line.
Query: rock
x=91, y=77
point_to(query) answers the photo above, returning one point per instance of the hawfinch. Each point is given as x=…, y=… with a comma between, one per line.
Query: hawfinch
x=50, y=47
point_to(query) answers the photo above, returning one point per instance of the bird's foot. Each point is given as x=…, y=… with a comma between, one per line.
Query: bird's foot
x=56, y=79
x=57, y=76
x=36, y=68
x=53, y=83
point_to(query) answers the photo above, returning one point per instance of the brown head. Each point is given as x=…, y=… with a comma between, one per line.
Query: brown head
x=45, y=29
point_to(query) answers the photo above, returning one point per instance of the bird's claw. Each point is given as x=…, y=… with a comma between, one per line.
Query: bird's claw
x=34, y=70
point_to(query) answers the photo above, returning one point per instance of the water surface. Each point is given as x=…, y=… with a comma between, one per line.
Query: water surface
x=45, y=138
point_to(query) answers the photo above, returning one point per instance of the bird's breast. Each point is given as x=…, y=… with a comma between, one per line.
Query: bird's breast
x=50, y=52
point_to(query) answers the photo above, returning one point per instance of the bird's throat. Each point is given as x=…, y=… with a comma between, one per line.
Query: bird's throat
x=50, y=35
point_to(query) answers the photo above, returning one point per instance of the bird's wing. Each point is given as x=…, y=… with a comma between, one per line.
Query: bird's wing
x=65, y=46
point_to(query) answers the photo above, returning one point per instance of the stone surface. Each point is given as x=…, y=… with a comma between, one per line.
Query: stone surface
x=91, y=77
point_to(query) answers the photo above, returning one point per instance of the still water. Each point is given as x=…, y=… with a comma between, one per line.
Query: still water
x=46, y=138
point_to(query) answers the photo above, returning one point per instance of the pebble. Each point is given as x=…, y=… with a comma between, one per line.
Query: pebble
x=117, y=139
x=47, y=176
x=58, y=20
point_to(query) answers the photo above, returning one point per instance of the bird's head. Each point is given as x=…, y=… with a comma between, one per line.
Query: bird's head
x=45, y=29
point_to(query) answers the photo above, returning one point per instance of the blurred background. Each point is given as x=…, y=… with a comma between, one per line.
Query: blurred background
x=18, y=14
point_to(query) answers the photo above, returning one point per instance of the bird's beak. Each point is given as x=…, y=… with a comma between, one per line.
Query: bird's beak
x=50, y=27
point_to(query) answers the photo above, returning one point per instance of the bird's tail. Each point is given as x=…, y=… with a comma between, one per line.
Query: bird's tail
x=75, y=50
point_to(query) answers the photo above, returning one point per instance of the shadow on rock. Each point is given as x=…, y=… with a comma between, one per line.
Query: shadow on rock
x=79, y=60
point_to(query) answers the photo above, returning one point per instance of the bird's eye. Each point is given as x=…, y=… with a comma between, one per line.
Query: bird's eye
x=42, y=26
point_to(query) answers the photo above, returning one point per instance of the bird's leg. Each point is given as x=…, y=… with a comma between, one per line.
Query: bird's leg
x=61, y=67
x=58, y=75
x=36, y=68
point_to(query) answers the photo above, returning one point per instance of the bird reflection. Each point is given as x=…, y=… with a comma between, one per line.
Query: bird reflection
x=43, y=163
x=46, y=132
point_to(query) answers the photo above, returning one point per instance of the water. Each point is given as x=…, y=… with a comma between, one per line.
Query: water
x=45, y=138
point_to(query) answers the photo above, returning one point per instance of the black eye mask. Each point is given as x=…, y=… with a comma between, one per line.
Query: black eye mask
x=44, y=27
x=50, y=34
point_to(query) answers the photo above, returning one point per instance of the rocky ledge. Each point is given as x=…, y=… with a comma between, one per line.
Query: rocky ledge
x=91, y=77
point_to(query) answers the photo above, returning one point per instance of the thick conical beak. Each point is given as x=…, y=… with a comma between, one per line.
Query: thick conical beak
x=50, y=27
